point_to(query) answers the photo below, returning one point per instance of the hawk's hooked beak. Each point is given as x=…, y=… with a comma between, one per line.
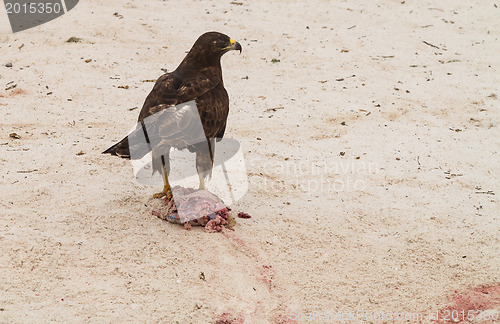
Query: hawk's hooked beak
x=234, y=45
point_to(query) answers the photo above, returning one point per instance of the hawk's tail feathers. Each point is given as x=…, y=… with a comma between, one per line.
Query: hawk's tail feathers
x=134, y=146
x=120, y=149
x=111, y=150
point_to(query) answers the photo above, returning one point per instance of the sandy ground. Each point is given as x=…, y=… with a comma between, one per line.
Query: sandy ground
x=373, y=187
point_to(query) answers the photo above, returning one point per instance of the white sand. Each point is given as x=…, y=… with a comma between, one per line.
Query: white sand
x=397, y=230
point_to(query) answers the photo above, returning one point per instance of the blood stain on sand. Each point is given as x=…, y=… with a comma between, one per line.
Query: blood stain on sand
x=282, y=315
x=15, y=92
x=475, y=300
x=264, y=273
x=228, y=318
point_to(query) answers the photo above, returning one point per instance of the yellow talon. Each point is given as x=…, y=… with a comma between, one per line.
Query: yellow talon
x=202, y=182
x=165, y=192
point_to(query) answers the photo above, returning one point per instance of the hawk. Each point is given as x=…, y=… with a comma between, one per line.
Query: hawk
x=164, y=125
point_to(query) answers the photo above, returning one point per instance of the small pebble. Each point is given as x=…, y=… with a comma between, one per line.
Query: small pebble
x=8, y=65
x=74, y=39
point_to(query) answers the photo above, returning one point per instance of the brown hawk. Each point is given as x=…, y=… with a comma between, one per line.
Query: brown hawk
x=164, y=125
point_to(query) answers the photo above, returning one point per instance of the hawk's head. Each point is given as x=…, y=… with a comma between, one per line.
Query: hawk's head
x=208, y=49
x=217, y=43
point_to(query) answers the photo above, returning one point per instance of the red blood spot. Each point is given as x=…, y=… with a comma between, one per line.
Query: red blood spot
x=474, y=299
x=17, y=92
x=243, y=215
x=282, y=316
x=228, y=318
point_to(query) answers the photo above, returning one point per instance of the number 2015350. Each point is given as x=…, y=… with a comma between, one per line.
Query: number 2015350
x=33, y=8
x=471, y=315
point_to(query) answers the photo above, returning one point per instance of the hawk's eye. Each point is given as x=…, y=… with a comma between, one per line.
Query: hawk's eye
x=219, y=43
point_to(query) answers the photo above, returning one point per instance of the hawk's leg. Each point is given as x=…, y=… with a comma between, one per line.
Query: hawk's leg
x=167, y=191
x=202, y=182
x=204, y=162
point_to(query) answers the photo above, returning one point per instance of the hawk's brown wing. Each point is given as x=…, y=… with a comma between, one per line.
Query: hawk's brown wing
x=169, y=90
x=172, y=89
